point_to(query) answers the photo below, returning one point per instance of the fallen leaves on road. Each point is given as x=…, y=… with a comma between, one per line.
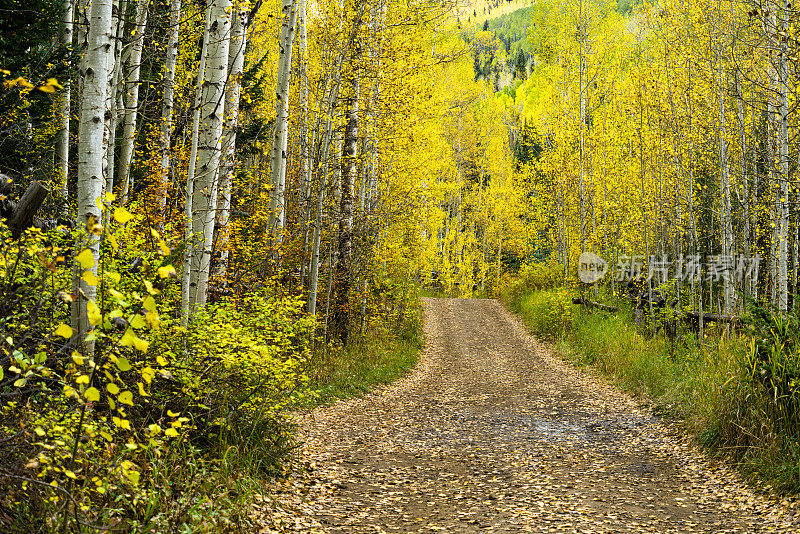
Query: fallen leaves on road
x=492, y=433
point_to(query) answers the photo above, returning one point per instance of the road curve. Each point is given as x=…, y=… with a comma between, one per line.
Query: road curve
x=493, y=433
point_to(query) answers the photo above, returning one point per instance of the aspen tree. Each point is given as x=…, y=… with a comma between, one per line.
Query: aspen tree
x=277, y=207
x=133, y=63
x=349, y=168
x=168, y=98
x=209, y=146
x=238, y=44
x=62, y=137
x=90, y=151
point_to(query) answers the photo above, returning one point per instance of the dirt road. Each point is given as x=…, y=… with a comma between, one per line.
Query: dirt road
x=493, y=433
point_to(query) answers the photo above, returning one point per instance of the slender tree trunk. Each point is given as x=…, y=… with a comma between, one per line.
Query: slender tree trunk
x=725, y=187
x=187, y=287
x=131, y=97
x=238, y=43
x=209, y=146
x=343, y=277
x=168, y=99
x=783, y=181
x=277, y=208
x=62, y=136
x=90, y=151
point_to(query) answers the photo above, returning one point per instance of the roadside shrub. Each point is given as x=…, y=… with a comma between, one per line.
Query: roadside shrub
x=532, y=277
x=87, y=432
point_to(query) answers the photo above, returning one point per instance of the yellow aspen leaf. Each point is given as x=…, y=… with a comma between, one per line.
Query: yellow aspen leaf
x=140, y=344
x=167, y=271
x=70, y=474
x=154, y=429
x=138, y=321
x=64, y=331
x=121, y=215
x=89, y=278
x=127, y=338
x=173, y=414
x=83, y=379
x=123, y=364
x=171, y=432
x=122, y=423
x=110, y=197
x=99, y=203
x=113, y=241
x=162, y=361
x=92, y=394
x=149, y=304
x=148, y=373
x=19, y=382
x=39, y=431
x=106, y=436
x=113, y=276
x=112, y=388
x=154, y=233
x=126, y=397
x=85, y=258
x=152, y=319
x=165, y=250
x=142, y=392
x=149, y=286
x=93, y=313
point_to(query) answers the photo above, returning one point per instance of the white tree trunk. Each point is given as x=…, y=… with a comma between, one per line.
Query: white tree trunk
x=277, y=208
x=62, y=137
x=114, y=104
x=134, y=63
x=209, y=146
x=186, y=279
x=238, y=44
x=168, y=100
x=90, y=147
x=725, y=189
x=783, y=180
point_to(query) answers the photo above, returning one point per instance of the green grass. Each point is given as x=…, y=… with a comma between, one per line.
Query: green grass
x=706, y=387
x=380, y=356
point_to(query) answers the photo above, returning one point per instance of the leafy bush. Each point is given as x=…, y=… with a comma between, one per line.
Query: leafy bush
x=88, y=429
x=531, y=278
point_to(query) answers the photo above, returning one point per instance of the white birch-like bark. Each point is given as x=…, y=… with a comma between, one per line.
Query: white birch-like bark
x=725, y=187
x=114, y=104
x=168, y=99
x=91, y=149
x=209, y=147
x=238, y=44
x=62, y=137
x=782, y=203
x=277, y=208
x=186, y=279
x=131, y=98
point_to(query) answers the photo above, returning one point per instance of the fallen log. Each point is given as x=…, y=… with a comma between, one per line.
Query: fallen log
x=20, y=216
x=694, y=316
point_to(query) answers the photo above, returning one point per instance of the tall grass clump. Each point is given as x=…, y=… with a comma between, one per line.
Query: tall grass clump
x=737, y=392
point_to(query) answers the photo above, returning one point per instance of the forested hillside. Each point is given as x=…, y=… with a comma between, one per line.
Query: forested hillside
x=219, y=212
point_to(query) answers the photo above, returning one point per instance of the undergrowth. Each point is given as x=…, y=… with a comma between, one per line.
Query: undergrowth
x=736, y=393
